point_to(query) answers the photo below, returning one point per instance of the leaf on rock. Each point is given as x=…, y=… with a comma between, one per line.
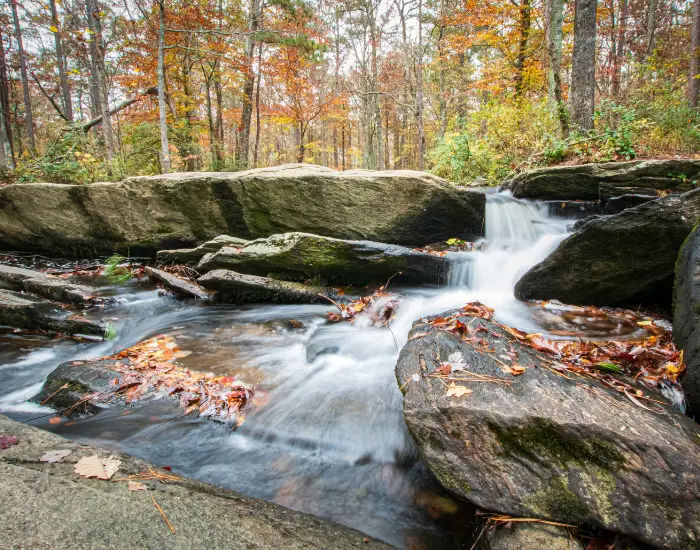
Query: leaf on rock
x=454, y=390
x=55, y=455
x=8, y=440
x=609, y=367
x=94, y=466
x=136, y=486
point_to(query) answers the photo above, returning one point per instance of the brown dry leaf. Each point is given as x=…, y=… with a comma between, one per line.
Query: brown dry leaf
x=137, y=486
x=55, y=420
x=454, y=390
x=55, y=456
x=94, y=466
x=516, y=369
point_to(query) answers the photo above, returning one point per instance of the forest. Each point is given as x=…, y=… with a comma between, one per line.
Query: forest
x=99, y=91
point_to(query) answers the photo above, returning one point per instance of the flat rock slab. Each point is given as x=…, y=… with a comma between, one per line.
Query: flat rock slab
x=238, y=288
x=51, y=288
x=142, y=215
x=48, y=505
x=686, y=316
x=193, y=255
x=178, y=286
x=302, y=256
x=625, y=258
x=584, y=182
x=548, y=446
x=28, y=312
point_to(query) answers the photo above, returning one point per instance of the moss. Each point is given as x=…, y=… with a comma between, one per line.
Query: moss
x=544, y=439
x=557, y=501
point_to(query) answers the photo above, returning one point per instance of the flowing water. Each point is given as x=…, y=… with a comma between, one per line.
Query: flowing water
x=326, y=435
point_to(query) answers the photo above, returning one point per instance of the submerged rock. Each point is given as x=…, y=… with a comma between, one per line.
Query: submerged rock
x=546, y=444
x=178, y=286
x=193, y=255
x=50, y=506
x=584, y=182
x=686, y=316
x=301, y=256
x=51, y=288
x=29, y=312
x=142, y=215
x=625, y=258
x=237, y=288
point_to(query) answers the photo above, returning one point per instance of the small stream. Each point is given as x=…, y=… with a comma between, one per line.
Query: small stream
x=325, y=434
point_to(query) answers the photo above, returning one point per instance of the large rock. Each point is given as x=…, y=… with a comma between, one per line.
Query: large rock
x=48, y=505
x=300, y=256
x=176, y=285
x=584, y=182
x=525, y=535
x=626, y=258
x=29, y=312
x=150, y=213
x=686, y=316
x=193, y=255
x=239, y=288
x=563, y=448
x=46, y=286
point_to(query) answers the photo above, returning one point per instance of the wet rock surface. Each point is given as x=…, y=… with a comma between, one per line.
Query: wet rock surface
x=48, y=505
x=238, y=288
x=620, y=203
x=303, y=256
x=29, y=312
x=46, y=286
x=686, y=316
x=185, y=209
x=193, y=255
x=626, y=258
x=516, y=536
x=177, y=285
x=548, y=445
x=584, y=182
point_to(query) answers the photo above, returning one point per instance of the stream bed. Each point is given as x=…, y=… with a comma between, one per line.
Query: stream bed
x=325, y=433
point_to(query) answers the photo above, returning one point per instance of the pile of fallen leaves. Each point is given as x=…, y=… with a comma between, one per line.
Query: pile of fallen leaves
x=381, y=315
x=652, y=360
x=149, y=369
x=451, y=245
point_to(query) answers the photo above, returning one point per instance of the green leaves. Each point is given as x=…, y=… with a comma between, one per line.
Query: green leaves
x=114, y=272
x=609, y=367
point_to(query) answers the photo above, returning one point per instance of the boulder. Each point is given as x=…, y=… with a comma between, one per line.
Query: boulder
x=302, y=256
x=237, y=288
x=545, y=444
x=583, y=182
x=144, y=214
x=29, y=312
x=176, y=285
x=625, y=258
x=193, y=255
x=618, y=204
x=686, y=316
x=573, y=209
x=48, y=505
x=528, y=536
x=46, y=286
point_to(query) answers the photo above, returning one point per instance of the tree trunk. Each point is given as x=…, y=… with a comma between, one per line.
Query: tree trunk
x=61, y=60
x=162, y=107
x=5, y=123
x=28, y=118
x=525, y=22
x=300, y=134
x=97, y=51
x=243, y=145
x=342, y=147
x=210, y=123
x=419, y=90
x=651, y=28
x=620, y=50
x=583, y=65
x=554, y=49
x=694, y=82
x=256, y=147
x=376, y=107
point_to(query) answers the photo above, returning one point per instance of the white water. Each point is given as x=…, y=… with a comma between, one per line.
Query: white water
x=331, y=438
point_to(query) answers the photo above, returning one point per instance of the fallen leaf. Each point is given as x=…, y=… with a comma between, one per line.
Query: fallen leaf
x=94, y=466
x=55, y=420
x=453, y=390
x=55, y=456
x=7, y=440
x=136, y=486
